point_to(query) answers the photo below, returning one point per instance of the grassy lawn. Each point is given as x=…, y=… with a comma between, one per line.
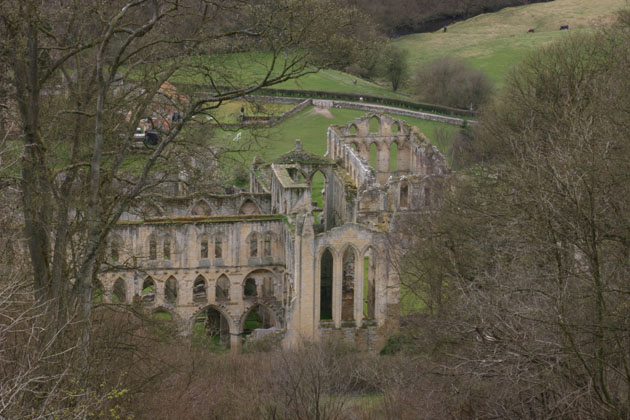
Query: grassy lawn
x=495, y=42
x=229, y=112
x=311, y=126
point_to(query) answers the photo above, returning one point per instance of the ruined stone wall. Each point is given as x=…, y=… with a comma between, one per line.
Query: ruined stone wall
x=202, y=205
x=206, y=251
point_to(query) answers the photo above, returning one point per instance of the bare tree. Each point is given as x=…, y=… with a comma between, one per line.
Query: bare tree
x=530, y=249
x=82, y=76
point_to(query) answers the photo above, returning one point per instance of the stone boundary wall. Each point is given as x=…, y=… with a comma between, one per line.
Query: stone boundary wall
x=391, y=110
x=273, y=99
x=258, y=121
x=326, y=103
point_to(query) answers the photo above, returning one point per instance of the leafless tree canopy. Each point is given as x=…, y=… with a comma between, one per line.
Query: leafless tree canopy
x=526, y=267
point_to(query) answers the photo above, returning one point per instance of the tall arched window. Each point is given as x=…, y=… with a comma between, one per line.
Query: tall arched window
x=203, y=252
x=347, y=284
x=152, y=249
x=218, y=247
x=326, y=286
x=148, y=290
x=369, y=289
x=253, y=245
x=199, y=290
x=374, y=156
x=375, y=125
x=267, y=247
x=166, y=249
x=222, y=290
x=393, y=157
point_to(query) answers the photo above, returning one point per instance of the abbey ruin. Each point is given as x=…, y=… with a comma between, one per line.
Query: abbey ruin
x=306, y=270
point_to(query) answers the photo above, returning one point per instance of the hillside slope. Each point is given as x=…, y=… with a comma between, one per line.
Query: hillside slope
x=494, y=42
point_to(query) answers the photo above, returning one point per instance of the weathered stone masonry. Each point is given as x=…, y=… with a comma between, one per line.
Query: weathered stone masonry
x=311, y=272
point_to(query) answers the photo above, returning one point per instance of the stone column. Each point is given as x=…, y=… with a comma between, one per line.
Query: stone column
x=337, y=285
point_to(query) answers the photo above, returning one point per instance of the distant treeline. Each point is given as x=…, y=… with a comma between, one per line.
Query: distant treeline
x=401, y=17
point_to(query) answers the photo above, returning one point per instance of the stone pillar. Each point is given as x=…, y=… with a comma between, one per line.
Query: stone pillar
x=337, y=292
x=358, y=290
x=185, y=289
x=236, y=342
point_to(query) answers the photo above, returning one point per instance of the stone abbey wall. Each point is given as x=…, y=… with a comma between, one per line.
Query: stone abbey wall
x=211, y=261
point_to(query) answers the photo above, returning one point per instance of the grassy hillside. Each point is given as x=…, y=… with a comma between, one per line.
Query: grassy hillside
x=242, y=68
x=495, y=42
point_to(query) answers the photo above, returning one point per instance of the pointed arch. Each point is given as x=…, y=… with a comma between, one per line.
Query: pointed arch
x=353, y=130
x=201, y=208
x=249, y=207
x=259, y=282
x=119, y=291
x=170, y=290
x=222, y=288
x=148, y=291
x=396, y=128
x=200, y=293
x=393, y=157
x=212, y=326
x=258, y=316
x=374, y=125
x=373, y=155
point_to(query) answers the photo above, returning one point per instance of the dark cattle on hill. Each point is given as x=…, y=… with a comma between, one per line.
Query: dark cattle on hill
x=531, y=31
x=564, y=27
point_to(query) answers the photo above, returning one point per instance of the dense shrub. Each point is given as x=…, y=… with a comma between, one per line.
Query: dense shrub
x=452, y=82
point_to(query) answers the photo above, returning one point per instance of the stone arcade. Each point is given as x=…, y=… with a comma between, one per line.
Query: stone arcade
x=310, y=270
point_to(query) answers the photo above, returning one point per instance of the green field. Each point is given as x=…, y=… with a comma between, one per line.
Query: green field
x=310, y=126
x=495, y=42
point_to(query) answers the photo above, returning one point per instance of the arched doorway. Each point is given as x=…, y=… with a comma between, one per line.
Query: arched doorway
x=211, y=329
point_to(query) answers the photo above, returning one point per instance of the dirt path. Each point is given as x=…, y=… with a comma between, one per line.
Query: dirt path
x=321, y=111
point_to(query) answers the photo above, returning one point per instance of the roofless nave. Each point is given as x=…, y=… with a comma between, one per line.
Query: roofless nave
x=310, y=271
